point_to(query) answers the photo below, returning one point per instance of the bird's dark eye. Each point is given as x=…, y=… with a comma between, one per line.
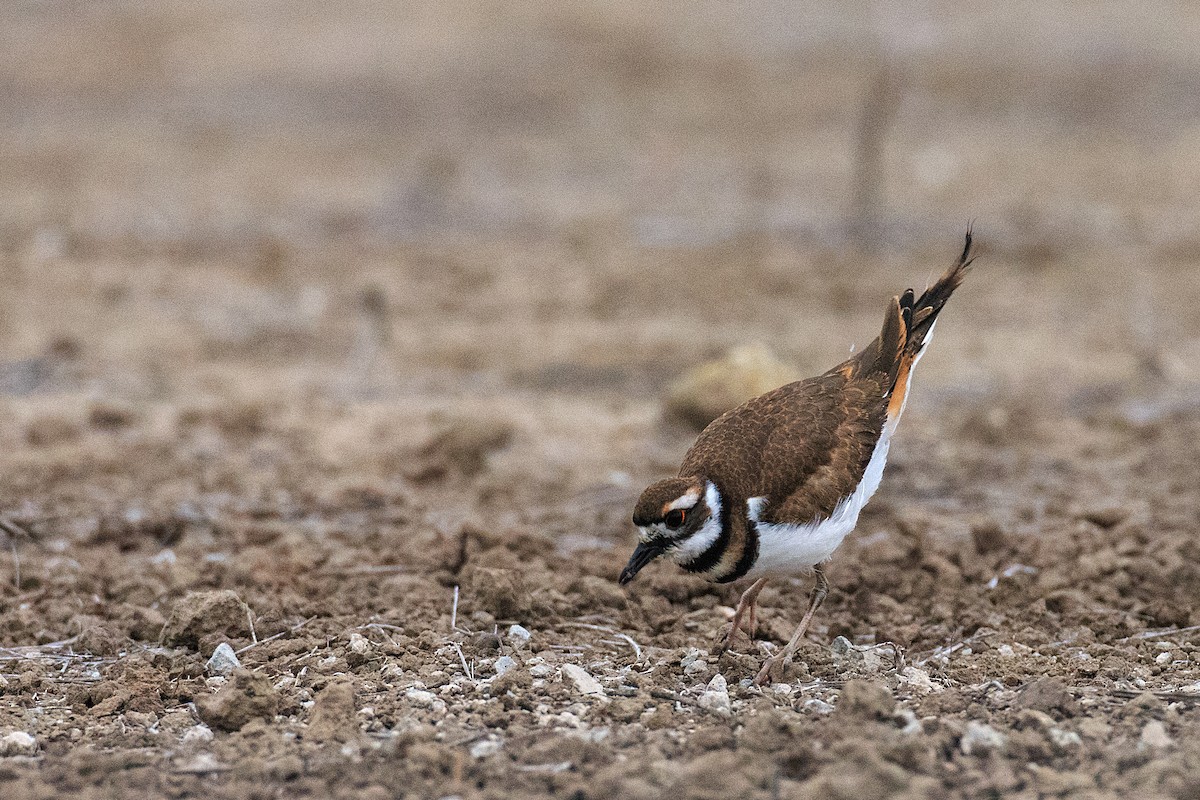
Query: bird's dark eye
x=675, y=518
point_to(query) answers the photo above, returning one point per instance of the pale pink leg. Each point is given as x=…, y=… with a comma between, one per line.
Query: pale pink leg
x=784, y=658
x=746, y=606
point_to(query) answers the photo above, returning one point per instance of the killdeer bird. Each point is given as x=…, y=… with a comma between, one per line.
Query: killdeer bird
x=772, y=487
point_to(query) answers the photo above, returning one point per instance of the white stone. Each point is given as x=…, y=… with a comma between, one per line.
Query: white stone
x=980, y=738
x=715, y=696
x=223, y=661
x=696, y=667
x=421, y=697
x=1006, y=651
x=541, y=670
x=1064, y=739
x=817, y=706
x=583, y=682
x=518, y=635
x=486, y=747
x=503, y=664
x=918, y=681
x=18, y=743
x=911, y=725
x=1163, y=658
x=359, y=644
x=1155, y=736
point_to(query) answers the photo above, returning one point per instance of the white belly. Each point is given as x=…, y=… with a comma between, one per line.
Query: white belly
x=791, y=549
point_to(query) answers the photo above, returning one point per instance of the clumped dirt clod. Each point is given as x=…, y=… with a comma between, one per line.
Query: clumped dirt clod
x=200, y=617
x=246, y=696
x=334, y=714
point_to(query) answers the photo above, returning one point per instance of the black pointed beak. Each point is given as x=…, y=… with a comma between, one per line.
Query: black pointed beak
x=643, y=555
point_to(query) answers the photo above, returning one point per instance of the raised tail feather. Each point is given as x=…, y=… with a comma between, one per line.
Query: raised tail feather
x=907, y=324
x=917, y=318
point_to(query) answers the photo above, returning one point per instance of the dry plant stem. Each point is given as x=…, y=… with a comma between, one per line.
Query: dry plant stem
x=814, y=602
x=272, y=638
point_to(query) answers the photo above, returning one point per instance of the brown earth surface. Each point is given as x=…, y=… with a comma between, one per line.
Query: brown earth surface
x=345, y=340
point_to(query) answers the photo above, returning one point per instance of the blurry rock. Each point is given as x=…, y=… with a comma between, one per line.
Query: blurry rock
x=18, y=743
x=499, y=591
x=223, y=661
x=583, y=682
x=462, y=447
x=866, y=699
x=981, y=738
x=1154, y=736
x=503, y=664
x=111, y=415
x=247, y=696
x=1048, y=695
x=48, y=430
x=334, y=716
x=201, y=614
x=988, y=536
x=1105, y=516
x=197, y=734
x=709, y=390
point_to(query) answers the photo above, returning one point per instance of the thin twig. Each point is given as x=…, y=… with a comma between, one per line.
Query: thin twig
x=637, y=651
x=1157, y=634
x=13, y=531
x=12, y=544
x=454, y=610
x=250, y=619
x=292, y=629
x=470, y=673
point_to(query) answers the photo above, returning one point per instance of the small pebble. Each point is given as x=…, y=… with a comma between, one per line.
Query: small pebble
x=581, y=680
x=503, y=664
x=485, y=748
x=1155, y=736
x=359, y=644
x=817, y=706
x=980, y=738
x=420, y=697
x=198, y=734
x=223, y=661
x=518, y=635
x=715, y=697
x=1065, y=739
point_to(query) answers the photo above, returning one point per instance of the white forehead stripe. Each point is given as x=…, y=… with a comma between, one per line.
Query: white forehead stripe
x=685, y=501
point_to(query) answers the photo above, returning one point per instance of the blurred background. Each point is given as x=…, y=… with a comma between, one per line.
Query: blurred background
x=551, y=213
x=345, y=307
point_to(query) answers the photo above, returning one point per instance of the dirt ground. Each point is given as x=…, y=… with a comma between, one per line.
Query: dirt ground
x=341, y=341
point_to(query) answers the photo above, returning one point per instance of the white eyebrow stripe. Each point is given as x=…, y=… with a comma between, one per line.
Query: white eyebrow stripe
x=685, y=501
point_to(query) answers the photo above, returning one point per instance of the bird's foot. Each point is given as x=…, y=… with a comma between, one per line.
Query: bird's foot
x=747, y=623
x=773, y=669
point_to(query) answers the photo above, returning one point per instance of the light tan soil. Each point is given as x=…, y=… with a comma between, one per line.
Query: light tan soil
x=314, y=322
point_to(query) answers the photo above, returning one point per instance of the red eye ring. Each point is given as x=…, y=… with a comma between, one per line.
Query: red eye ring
x=675, y=518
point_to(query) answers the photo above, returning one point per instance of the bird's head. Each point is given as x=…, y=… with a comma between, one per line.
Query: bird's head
x=668, y=514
